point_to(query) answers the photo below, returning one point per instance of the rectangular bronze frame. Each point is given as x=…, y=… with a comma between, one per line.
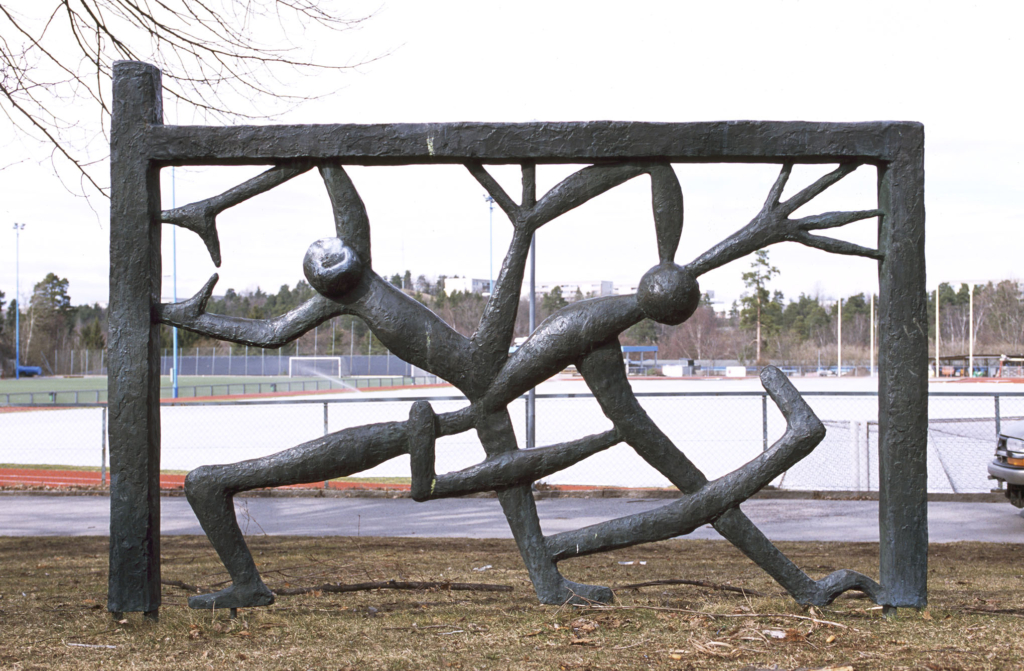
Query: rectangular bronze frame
x=141, y=145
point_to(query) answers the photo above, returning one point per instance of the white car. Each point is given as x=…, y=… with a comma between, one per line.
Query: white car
x=1008, y=466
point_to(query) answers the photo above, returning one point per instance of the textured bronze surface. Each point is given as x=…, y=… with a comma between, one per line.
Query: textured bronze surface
x=584, y=333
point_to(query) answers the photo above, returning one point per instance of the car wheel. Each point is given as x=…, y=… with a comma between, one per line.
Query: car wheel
x=1015, y=493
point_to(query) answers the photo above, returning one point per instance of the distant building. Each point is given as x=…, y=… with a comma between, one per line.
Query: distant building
x=467, y=285
x=589, y=289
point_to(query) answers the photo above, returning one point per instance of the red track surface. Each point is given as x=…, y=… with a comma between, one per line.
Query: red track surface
x=54, y=478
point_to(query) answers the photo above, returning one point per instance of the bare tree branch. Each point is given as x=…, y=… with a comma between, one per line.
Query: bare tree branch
x=208, y=50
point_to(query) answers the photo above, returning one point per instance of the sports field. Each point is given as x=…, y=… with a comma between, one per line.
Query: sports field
x=93, y=389
x=719, y=431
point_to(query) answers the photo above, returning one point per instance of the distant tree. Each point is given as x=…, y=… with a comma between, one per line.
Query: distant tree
x=759, y=311
x=698, y=337
x=644, y=332
x=12, y=315
x=396, y=280
x=50, y=317
x=407, y=280
x=579, y=294
x=1, y=314
x=806, y=318
x=553, y=300
x=92, y=336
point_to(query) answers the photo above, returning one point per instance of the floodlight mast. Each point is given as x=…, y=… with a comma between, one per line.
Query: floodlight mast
x=17, y=300
x=490, y=251
x=174, y=293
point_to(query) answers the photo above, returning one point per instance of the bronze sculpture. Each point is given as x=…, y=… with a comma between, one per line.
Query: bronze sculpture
x=584, y=334
x=341, y=270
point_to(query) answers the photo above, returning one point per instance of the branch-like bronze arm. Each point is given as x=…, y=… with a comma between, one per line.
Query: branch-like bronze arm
x=772, y=224
x=271, y=333
x=201, y=217
x=494, y=190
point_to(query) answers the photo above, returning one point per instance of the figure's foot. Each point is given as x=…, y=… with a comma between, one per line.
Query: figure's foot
x=420, y=431
x=828, y=588
x=574, y=592
x=236, y=596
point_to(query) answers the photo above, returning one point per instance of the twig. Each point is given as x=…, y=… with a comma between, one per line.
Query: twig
x=183, y=585
x=716, y=615
x=89, y=645
x=1013, y=612
x=696, y=583
x=393, y=584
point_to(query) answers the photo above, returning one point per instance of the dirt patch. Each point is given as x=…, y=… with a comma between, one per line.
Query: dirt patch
x=53, y=610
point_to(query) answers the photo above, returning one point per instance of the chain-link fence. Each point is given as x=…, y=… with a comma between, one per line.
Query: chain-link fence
x=717, y=431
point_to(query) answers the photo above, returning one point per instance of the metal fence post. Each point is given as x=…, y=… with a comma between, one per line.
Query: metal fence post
x=103, y=450
x=999, y=428
x=327, y=483
x=764, y=422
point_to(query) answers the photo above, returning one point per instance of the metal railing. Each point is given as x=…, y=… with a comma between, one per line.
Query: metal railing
x=85, y=396
x=718, y=431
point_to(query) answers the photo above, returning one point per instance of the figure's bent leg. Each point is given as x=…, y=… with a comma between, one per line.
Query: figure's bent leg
x=497, y=436
x=605, y=376
x=211, y=489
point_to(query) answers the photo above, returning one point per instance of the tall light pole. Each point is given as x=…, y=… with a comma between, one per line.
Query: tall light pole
x=174, y=295
x=871, y=338
x=938, y=336
x=490, y=251
x=970, y=332
x=18, y=228
x=839, y=339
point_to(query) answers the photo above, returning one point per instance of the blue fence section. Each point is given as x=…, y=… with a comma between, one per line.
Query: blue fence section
x=273, y=364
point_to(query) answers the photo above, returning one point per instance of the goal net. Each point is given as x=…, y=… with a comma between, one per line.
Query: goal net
x=314, y=366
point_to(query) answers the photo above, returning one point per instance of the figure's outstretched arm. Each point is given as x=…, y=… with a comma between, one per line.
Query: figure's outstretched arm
x=350, y=219
x=497, y=471
x=201, y=217
x=773, y=225
x=498, y=321
x=273, y=333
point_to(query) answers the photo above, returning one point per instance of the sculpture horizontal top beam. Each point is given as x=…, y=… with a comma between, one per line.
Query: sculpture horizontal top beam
x=538, y=142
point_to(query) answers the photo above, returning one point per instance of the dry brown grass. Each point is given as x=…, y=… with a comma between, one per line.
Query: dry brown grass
x=53, y=596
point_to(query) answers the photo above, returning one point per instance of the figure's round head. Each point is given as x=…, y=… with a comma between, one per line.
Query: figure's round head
x=668, y=294
x=332, y=267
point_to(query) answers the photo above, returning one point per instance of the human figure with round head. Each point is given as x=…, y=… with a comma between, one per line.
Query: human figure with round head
x=584, y=333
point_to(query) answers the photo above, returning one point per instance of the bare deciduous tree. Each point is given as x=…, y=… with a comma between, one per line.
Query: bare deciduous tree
x=56, y=59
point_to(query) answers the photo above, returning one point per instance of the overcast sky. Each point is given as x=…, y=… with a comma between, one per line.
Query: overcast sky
x=954, y=67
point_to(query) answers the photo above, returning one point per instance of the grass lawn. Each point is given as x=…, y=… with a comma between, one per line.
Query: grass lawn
x=65, y=387
x=53, y=609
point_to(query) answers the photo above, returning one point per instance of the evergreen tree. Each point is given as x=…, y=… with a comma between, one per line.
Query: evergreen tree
x=554, y=300
x=760, y=312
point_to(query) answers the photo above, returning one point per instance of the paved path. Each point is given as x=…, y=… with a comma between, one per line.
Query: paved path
x=797, y=520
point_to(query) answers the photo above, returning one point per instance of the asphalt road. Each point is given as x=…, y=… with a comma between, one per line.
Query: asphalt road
x=780, y=519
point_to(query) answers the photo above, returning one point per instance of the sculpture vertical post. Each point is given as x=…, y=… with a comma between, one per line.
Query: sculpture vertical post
x=903, y=374
x=133, y=381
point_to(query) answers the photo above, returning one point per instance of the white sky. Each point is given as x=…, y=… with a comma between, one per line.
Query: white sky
x=952, y=66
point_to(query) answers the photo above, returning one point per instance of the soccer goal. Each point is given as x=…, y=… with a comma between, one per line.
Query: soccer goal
x=314, y=366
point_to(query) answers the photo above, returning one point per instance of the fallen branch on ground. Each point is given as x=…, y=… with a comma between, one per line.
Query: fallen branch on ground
x=1015, y=612
x=695, y=583
x=393, y=584
x=363, y=587
x=715, y=615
